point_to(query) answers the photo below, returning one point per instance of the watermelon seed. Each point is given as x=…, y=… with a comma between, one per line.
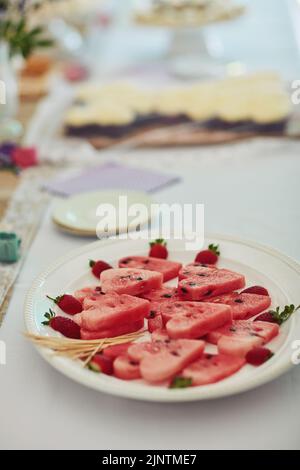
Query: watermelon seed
x=238, y=301
x=139, y=278
x=209, y=292
x=167, y=296
x=232, y=328
x=201, y=275
x=152, y=313
x=192, y=284
x=184, y=290
x=133, y=363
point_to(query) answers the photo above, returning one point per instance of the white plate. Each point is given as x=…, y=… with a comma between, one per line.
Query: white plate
x=261, y=265
x=78, y=214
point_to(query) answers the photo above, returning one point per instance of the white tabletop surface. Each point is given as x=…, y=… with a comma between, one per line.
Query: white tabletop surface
x=249, y=190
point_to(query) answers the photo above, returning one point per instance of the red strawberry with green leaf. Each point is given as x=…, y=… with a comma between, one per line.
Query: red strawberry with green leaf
x=67, y=303
x=65, y=326
x=209, y=256
x=101, y=363
x=98, y=267
x=158, y=249
x=277, y=316
x=258, y=356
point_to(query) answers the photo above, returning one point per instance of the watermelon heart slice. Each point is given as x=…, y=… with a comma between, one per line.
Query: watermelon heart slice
x=130, y=281
x=126, y=369
x=155, y=322
x=242, y=335
x=168, y=358
x=192, y=320
x=165, y=294
x=169, y=269
x=116, y=350
x=122, y=329
x=208, y=283
x=81, y=294
x=112, y=311
x=243, y=306
x=212, y=368
x=193, y=269
x=160, y=335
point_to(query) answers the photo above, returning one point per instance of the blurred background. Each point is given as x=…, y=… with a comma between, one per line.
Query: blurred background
x=96, y=74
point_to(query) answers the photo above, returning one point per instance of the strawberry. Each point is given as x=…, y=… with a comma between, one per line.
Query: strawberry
x=266, y=316
x=101, y=363
x=255, y=290
x=98, y=267
x=65, y=326
x=258, y=356
x=276, y=316
x=158, y=249
x=209, y=256
x=67, y=303
x=155, y=321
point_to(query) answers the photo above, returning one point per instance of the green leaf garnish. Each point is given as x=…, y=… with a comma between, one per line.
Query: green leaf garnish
x=48, y=315
x=181, y=382
x=214, y=249
x=281, y=317
x=158, y=241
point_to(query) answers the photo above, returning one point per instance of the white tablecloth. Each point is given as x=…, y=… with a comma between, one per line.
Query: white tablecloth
x=250, y=190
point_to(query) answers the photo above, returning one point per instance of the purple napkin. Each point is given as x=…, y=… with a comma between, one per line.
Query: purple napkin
x=111, y=176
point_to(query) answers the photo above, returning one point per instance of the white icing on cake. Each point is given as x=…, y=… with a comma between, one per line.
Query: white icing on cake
x=259, y=97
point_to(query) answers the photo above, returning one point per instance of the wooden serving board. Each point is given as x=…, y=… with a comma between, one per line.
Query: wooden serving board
x=174, y=138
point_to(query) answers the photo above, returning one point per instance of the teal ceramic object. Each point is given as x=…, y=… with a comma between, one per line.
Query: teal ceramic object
x=9, y=247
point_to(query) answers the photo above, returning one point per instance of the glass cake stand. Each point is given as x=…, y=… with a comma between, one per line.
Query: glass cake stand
x=195, y=50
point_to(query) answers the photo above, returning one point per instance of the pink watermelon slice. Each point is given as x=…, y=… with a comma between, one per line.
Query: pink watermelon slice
x=122, y=329
x=155, y=321
x=169, y=269
x=130, y=281
x=116, y=350
x=126, y=369
x=243, y=306
x=208, y=283
x=242, y=335
x=192, y=320
x=111, y=311
x=160, y=335
x=193, y=269
x=165, y=294
x=212, y=368
x=169, y=358
x=81, y=294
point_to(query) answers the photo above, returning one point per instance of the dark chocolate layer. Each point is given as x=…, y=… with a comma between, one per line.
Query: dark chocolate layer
x=153, y=121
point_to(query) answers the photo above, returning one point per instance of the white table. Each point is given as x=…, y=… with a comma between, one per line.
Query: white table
x=249, y=190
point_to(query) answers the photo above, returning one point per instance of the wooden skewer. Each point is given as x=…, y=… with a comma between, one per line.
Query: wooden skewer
x=77, y=348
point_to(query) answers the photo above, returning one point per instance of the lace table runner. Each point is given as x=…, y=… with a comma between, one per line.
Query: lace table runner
x=23, y=216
